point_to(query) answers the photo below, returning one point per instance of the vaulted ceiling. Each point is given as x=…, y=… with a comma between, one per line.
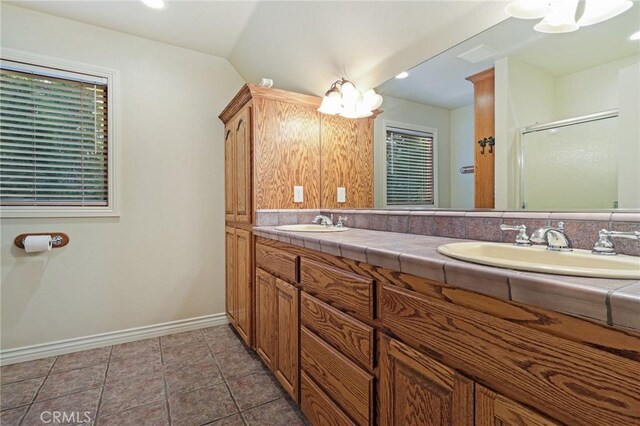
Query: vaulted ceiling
x=302, y=45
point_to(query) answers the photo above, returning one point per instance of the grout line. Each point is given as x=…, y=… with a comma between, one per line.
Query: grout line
x=33, y=401
x=104, y=384
x=166, y=386
x=607, y=302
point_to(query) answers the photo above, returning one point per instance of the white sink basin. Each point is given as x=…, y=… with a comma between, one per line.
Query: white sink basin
x=580, y=263
x=311, y=228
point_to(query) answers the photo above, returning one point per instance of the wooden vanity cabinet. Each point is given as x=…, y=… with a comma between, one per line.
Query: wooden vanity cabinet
x=238, y=277
x=277, y=315
x=381, y=347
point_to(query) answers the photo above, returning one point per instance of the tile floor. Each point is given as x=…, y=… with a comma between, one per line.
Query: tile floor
x=199, y=377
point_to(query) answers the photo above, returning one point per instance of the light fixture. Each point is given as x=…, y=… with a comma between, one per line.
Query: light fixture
x=635, y=36
x=560, y=19
x=155, y=4
x=596, y=11
x=402, y=75
x=344, y=99
x=560, y=15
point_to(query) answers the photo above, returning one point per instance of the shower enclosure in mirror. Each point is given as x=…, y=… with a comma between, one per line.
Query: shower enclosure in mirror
x=572, y=164
x=539, y=78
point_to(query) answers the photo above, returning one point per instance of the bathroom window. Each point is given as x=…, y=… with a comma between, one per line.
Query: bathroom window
x=55, y=141
x=410, y=167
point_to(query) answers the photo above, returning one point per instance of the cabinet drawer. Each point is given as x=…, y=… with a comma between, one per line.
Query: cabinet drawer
x=351, y=337
x=318, y=407
x=344, y=290
x=278, y=262
x=346, y=383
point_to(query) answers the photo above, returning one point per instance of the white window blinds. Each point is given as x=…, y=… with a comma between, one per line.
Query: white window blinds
x=53, y=137
x=410, y=167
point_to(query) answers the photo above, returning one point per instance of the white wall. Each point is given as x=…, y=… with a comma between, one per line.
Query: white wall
x=629, y=138
x=462, y=154
x=163, y=258
x=591, y=90
x=524, y=95
x=401, y=111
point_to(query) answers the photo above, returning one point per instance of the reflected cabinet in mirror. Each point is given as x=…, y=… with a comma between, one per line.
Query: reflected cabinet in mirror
x=562, y=132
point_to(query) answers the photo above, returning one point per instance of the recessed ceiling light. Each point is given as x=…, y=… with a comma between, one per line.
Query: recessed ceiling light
x=402, y=75
x=155, y=4
x=635, y=36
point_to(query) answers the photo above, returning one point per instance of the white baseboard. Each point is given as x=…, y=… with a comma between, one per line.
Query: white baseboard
x=60, y=347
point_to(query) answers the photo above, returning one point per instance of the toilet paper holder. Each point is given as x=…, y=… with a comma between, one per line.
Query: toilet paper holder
x=58, y=239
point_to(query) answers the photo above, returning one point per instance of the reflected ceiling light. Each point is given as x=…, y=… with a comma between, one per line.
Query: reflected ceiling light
x=402, y=75
x=560, y=15
x=344, y=99
x=596, y=11
x=560, y=19
x=635, y=36
x=155, y=4
x=528, y=9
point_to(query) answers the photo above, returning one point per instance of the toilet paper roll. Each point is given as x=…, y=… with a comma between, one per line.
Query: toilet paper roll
x=37, y=243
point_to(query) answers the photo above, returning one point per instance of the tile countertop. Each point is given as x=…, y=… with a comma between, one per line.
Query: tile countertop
x=611, y=301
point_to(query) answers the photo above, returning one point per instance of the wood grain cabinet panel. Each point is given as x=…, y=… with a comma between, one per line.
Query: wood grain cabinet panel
x=244, y=296
x=351, y=337
x=242, y=166
x=417, y=390
x=318, y=407
x=347, y=384
x=493, y=409
x=569, y=382
x=277, y=262
x=349, y=292
x=230, y=274
x=287, y=365
x=229, y=180
x=347, y=161
x=266, y=317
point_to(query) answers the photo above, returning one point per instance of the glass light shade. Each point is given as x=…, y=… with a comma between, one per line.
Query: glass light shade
x=358, y=110
x=349, y=93
x=560, y=19
x=371, y=99
x=596, y=11
x=528, y=9
x=155, y=4
x=331, y=103
x=635, y=36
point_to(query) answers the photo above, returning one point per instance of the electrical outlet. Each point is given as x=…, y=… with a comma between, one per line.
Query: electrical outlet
x=342, y=195
x=298, y=194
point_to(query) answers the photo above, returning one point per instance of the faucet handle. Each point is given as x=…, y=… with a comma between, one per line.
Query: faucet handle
x=604, y=245
x=341, y=221
x=522, y=239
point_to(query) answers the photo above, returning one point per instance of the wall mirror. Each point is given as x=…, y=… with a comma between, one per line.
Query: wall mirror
x=567, y=108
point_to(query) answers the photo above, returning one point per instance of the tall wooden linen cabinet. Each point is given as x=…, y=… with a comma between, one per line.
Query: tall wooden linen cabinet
x=273, y=141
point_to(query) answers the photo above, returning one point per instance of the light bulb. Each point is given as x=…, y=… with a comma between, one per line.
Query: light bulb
x=371, y=99
x=596, y=11
x=155, y=4
x=560, y=19
x=528, y=9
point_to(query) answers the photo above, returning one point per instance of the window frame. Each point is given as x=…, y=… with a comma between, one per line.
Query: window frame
x=113, y=183
x=416, y=128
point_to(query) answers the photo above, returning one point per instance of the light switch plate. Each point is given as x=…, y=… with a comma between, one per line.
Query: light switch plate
x=342, y=195
x=298, y=194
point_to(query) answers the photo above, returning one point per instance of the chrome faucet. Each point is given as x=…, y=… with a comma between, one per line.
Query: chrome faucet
x=522, y=239
x=341, y=221
x=323, y=220
x=554, y=237
x=604, y=245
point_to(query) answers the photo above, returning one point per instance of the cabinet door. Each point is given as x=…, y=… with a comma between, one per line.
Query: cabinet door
x=243, y=283
x=242, y=167
x=493, y=409
x=287, y=340
x=229, y=165
x=230, y=275
x=266, y=316
x=417, y=390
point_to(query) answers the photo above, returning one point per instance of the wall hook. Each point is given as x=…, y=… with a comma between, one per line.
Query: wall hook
x=490, y=141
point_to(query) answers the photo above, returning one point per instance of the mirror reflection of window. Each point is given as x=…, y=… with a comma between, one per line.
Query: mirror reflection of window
x=411, y=179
